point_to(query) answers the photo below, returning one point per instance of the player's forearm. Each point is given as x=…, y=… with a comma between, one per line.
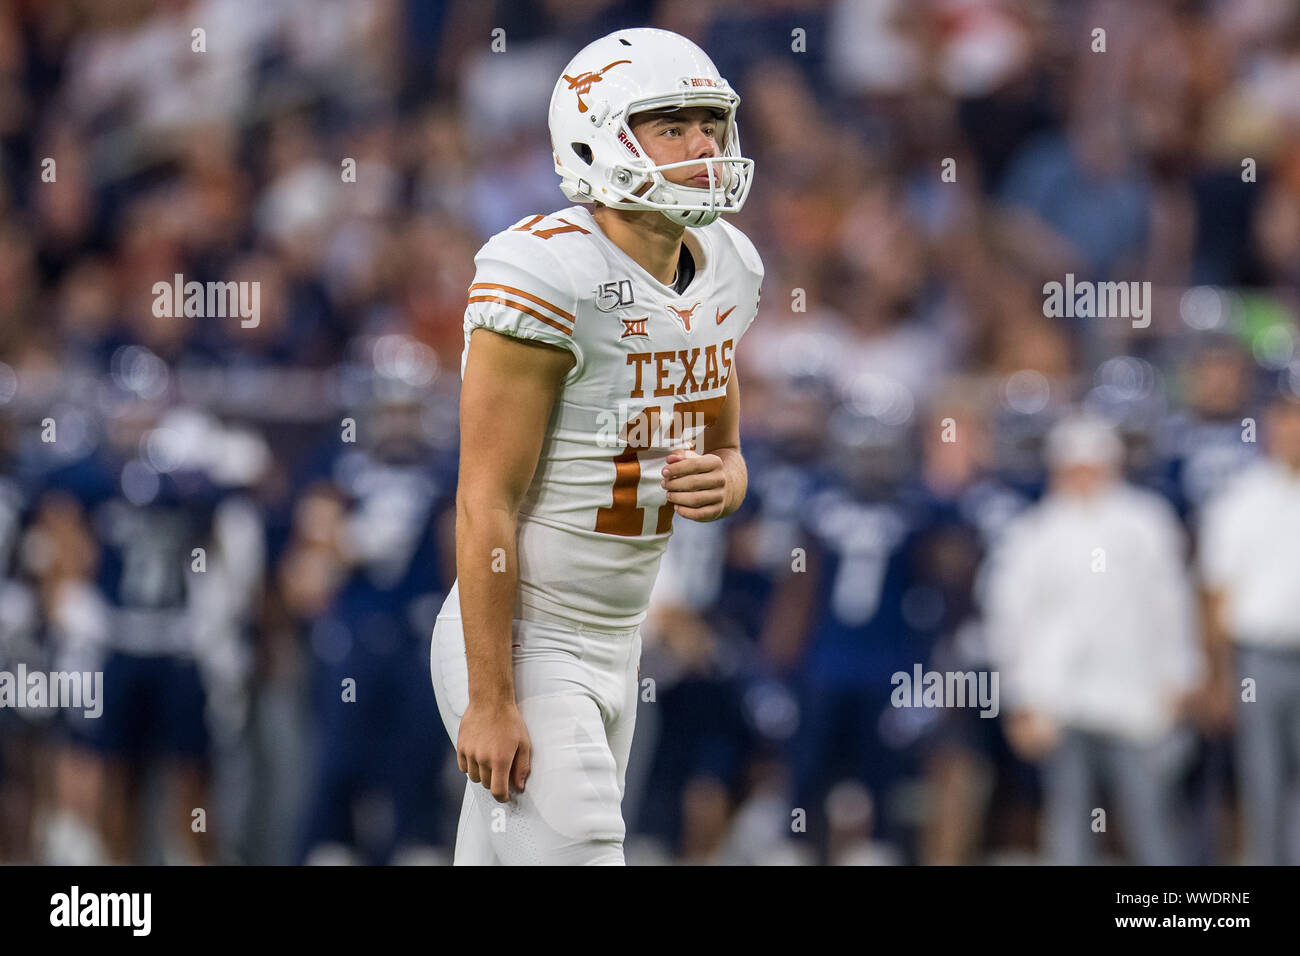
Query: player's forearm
x=733, y=465
x=487, y=576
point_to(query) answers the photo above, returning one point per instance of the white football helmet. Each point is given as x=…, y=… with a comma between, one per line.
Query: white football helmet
x=598, y=158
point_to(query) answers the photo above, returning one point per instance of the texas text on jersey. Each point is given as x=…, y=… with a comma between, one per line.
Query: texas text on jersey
x=650, y=373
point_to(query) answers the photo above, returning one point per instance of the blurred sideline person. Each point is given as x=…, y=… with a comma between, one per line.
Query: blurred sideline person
x=1200, y=449
x=1201, y=445
x=1092, y=624
x=152, y=579
x=1250, y=568
x=865, y=606
x=598, y=400
x=980, y=790
x=374, y=788
x=29, y=739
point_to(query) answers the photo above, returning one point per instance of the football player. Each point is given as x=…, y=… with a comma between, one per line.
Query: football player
x=392, y=552
x=132, y=608
x=599, y=400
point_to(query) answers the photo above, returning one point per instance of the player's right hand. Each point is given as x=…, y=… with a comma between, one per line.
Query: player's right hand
x=493, y=747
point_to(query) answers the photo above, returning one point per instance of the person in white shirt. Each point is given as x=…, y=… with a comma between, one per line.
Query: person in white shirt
x=1250, y=569
x=1092, y=625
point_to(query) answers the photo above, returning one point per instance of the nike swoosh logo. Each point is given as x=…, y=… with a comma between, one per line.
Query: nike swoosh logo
x=723, y=315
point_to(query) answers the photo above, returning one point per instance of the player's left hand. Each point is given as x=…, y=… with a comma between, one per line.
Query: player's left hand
x=696, y=485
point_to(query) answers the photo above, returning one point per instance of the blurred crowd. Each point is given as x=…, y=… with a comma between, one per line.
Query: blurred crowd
x=248, y=528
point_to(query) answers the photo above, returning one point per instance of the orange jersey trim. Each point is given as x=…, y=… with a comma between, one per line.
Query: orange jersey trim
x=523, y=295
x=499, y=298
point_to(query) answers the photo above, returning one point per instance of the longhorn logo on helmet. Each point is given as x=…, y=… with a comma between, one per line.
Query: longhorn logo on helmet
x=582, y=83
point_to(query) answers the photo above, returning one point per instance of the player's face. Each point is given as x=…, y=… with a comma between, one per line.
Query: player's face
x=679, y=135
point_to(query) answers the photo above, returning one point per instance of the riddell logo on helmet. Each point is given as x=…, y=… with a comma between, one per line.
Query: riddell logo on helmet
x=705, y=81
x=582, y=83
x=627, y=141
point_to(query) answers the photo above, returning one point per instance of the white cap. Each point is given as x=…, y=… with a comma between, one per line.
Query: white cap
x=1084, y=440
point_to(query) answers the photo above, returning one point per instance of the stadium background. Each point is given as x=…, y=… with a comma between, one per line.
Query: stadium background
x=893, y=300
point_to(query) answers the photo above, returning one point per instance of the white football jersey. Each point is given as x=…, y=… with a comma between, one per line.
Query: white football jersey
x=650, y=373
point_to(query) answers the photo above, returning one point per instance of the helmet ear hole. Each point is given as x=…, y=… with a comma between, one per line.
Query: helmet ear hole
x=583, y=152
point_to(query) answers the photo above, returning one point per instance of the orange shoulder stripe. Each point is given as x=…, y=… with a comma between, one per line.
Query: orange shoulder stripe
x=522, y=308
x=523, y=295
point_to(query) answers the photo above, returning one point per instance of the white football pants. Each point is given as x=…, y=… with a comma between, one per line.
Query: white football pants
x=576, y=687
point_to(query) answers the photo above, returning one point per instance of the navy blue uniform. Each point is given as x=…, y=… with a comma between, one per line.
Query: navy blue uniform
x=962, y=530
x=1198, y=457
x=893, y=577
x=862, y=553
x=376, y=632
x=146, y=526
x=21, y=623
